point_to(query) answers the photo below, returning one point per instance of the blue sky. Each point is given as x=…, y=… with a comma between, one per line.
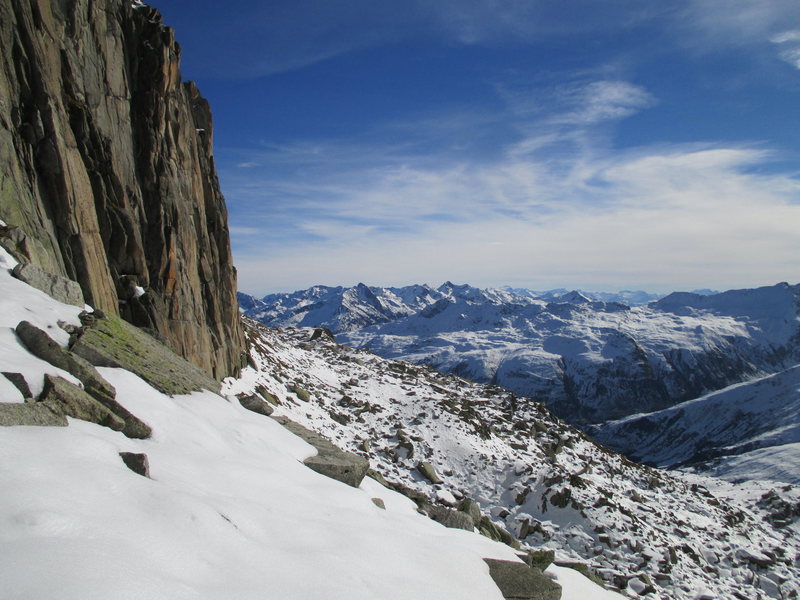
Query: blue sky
x=595, y=144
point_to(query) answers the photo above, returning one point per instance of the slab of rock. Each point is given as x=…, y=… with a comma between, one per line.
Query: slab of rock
x=30, y=413
x=518, y=581
x=471, y=508
x=43, y=346
x=448, y=517
x=540, y=559
x=429, y=472
x=66, y=398
x=255, y=404
x=18, y=380
x=62, y=289
x=136, y=462
x=330, y=461
x=488, y=528
x=112, y=342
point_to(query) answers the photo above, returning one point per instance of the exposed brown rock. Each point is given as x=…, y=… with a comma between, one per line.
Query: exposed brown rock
x=108, y=172
x=136, y=462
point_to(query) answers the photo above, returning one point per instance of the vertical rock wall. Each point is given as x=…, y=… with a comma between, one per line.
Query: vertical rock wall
x=106, y=165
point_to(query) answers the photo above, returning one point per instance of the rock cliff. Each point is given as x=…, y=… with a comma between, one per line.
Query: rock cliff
x=107, y=175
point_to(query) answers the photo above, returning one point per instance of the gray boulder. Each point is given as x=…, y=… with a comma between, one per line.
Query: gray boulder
x=62, y=289
x=518, y=581
x=43, y=346
x=448, y=517
x=429, y=472
x=254, y=403
x=30, y=413
x=471, y=508
x=63, y=397
x=540, y=559
x=330, y=461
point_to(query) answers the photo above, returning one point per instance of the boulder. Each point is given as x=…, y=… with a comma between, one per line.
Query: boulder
x=30, y=413
x=448, y=517
x=136, y=462
x=330, y=461
x=471, y=508
x=62, y=289
x=429, y=472
x=112, y=342
x=518, y=581
x=65, y=398
x=488, y=528
x=43, y=346
x=18, y=380
x=254, y=403
x=379, y=503
x=541, y=559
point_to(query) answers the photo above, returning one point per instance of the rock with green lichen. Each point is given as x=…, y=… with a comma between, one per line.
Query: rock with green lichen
x=112, y=342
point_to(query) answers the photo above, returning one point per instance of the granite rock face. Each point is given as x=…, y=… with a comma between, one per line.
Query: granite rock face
x=108, y=177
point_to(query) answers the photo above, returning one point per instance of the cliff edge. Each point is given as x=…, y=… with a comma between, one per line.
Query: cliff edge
x=107, y=175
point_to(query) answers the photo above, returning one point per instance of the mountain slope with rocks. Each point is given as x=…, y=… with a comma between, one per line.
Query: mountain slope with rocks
x=209, y=497
x=589, y=361
x=538, y=482
x=749, y=430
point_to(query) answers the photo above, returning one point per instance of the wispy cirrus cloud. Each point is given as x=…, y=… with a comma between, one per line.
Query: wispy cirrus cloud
x=551, y=207
x=788, y=43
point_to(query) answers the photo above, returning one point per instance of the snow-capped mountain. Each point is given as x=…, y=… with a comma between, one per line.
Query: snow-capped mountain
x=749, y=430
x=629, y=297
x=589, y=361
x=640, y=530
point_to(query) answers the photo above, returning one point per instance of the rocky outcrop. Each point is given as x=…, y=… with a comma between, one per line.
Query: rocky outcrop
x=63, y=397
x=108, y=176
x=112, y=342
x=518, y=581
x=330, y=461
x=62, y=289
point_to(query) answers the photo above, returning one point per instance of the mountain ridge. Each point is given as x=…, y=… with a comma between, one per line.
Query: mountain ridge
x=572, y=352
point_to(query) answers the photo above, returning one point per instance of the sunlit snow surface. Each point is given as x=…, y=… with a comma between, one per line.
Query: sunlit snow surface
x=230, y=512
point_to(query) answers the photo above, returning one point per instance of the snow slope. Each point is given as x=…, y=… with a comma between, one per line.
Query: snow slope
x=640, y=529
x=746, y=431
x=589, y=361
x=228, y=512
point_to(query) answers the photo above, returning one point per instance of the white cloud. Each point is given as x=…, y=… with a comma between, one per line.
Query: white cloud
x=554, y=207
x=684, y=217
x=789, y=43
x=603, y=101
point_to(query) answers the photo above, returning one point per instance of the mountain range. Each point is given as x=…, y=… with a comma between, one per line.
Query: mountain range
x=591, y=362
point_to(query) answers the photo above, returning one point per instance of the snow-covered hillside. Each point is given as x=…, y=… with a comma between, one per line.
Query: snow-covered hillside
x=642, y=530
x=589, y=361
x=746, y=431
x=227, y=511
